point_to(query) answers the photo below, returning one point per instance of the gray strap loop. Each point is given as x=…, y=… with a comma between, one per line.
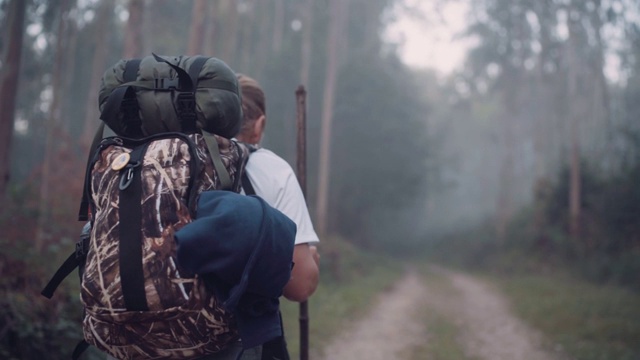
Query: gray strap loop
x=221, y=170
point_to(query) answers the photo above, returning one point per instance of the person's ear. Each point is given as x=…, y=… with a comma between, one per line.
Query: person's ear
x=258, y=129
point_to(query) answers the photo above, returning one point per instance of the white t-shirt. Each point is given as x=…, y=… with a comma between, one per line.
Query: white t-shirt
x=273, y=180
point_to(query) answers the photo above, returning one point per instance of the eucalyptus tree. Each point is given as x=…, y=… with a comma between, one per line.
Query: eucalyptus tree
x=380, y=139
x=545, y=58
x=500, y=62
x=133, y=37
x=9, y=85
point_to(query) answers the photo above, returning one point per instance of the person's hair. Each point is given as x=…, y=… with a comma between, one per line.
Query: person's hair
x=253, y=101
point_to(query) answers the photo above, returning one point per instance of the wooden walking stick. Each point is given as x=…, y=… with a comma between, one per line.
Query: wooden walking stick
x=301, y=167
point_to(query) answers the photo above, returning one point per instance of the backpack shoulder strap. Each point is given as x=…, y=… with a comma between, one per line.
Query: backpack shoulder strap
x=218, y=165
x=79, y=349
x=76, y=259
x=247, y=186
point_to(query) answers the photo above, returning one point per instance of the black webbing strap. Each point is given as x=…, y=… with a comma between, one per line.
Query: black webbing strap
x=123, y=98
x=83, y=213
x=129, y=107
x=73, y=261
x=168, y=84
x=131, y=70
x=65, y=269
x=130, y=233
x=217, y=84
x=77, y=258
x=186, y=99
x=113, y=105
x=184, y=80
x=247, y=186
x=79, y=349
x=195, y=68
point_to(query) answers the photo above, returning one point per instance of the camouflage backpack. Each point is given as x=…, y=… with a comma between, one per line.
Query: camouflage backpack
x=148, y=165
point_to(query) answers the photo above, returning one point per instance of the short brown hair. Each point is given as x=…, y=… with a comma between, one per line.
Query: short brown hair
x=253, y=101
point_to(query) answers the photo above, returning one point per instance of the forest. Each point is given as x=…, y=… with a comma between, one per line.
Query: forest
x=527, y=153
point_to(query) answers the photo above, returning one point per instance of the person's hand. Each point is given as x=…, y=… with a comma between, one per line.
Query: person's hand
x=315, y=254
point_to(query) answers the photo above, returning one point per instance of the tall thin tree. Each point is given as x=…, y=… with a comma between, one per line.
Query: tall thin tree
x=338, y=15
x=196, y=32
x=229, y=11
x=70, y=106
x=575, y=112
x=263, y=48
x=278, y=26
x=305, y=56
x=98, y=65
x=211, y=41
x=133, y=39
x=9, y=87
x=52, y=125
x=246, y=58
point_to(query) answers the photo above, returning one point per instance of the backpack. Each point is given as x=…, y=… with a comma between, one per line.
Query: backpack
x=154, y=154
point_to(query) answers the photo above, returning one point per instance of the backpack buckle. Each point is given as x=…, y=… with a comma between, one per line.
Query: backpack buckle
x=186, y=109
x=82, y=247
x=166, y=83
x=186, y=102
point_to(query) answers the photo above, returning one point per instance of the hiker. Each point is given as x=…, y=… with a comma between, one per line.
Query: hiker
x=169, y=268
x=273, y=179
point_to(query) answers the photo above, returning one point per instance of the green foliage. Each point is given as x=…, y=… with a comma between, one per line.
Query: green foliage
x=589, y=322
x=408, y=150
x=379, y=129
x=33, y=327
x=576, y=303
x=609, y=245
x=538, y=242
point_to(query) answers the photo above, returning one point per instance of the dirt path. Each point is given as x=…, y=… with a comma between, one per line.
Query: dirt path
x=488, y=330
x=390, y=328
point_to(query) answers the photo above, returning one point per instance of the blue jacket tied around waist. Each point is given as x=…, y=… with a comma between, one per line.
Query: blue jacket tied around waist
x=243, y=249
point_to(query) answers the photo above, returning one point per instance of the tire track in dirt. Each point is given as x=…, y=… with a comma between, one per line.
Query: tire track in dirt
x=487, y=328
x=391, y=326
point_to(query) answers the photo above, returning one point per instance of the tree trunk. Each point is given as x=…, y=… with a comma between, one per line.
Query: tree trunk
x=196, y=33
x=133, y=40
x=575, y=107
x=278, y=26
x=70, y=105
x=338, y=9
x=506, y=180
x=264, y=41
x=229, y=12
x=247, y=60
x=52, y=125
x=543, y=136
x=601, y=100
x=98, y=66
x=211, y=41
x=305, y=57
x=9, y=87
